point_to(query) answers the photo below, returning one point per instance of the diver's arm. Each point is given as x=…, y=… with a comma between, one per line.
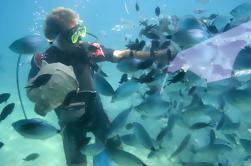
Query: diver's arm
x=120, y=54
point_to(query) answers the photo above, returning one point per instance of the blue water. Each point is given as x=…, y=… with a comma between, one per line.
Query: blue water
x=19, y=18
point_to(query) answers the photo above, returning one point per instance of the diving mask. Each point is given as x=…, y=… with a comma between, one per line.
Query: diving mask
x=75, y=34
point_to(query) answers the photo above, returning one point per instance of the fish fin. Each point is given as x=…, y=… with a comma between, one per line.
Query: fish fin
x=143, y=117
x=102, y=159
x=129, y=126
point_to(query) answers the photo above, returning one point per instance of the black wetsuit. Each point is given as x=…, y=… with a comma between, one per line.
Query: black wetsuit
x=94, y=119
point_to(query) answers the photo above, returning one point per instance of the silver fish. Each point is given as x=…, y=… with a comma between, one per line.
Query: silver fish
x=102, y=85
x=246, y=143
x=31, y=157
x=188, y=38
x=128, y=65
x=29, y=44
x=35, y=128
x=93, y=149
x=242, y=11
x=125, y=90
x=118, y=123
x=4, y=97
x=7, y=110
x=131, y=140
x=182, y=146
x=153, y=106
x=124, y=158
x=240, y=98
x=143, y=136
x=189, y=22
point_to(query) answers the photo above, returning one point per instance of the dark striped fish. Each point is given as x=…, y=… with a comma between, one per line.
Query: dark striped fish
x=31, y=157
x=4, y=97
x=182, y=146
x=7, y=110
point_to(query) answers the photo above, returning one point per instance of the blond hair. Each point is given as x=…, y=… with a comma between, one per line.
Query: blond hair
x=58, y=21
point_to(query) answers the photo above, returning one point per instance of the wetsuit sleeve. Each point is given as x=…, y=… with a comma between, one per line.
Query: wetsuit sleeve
x=36, y=62
x=101, y=53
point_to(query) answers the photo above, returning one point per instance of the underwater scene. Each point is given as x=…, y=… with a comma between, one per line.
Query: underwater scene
x=125, y=83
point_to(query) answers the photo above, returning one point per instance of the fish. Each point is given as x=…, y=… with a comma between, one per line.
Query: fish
x=200, y=125
x=248, y=157
x=35, y=128
x=93, y=149
x=189, y=22
x=157, y=11
x=165, y=44
x=199, y=11
x=192, y=90
x=137, y=7
x=168, y=129
x=149, y=77
x=4, y=97
x=190, y=37
x=131, y=140
x=125, y=90
x=246, y=144
x=128, y=65
x=152, y=35
x=211, y=137
x=118, y=123
x=212, y=16
x=220, y=22
x=29, y=44
x=31, y=157
x=214, y=150
x=242, y=60
x=124, y=158
x=99, y=70
x=152, y=90
x=153, y=107
x=155, y=45
x=179, y=77
x=150, y=31
x=227, y=27
x=124, y=78
x=7, y=110
x=212, y=29
x=136, y=45
x=142, y=136
x=1, y=144
x=39, y=81
x=242, y=11
x=145, y=64
x=102, y=85
x=197, y=164
x=231, y=138
x=182, y=146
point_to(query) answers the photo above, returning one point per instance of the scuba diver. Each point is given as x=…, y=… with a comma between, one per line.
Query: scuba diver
x=64, y=31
